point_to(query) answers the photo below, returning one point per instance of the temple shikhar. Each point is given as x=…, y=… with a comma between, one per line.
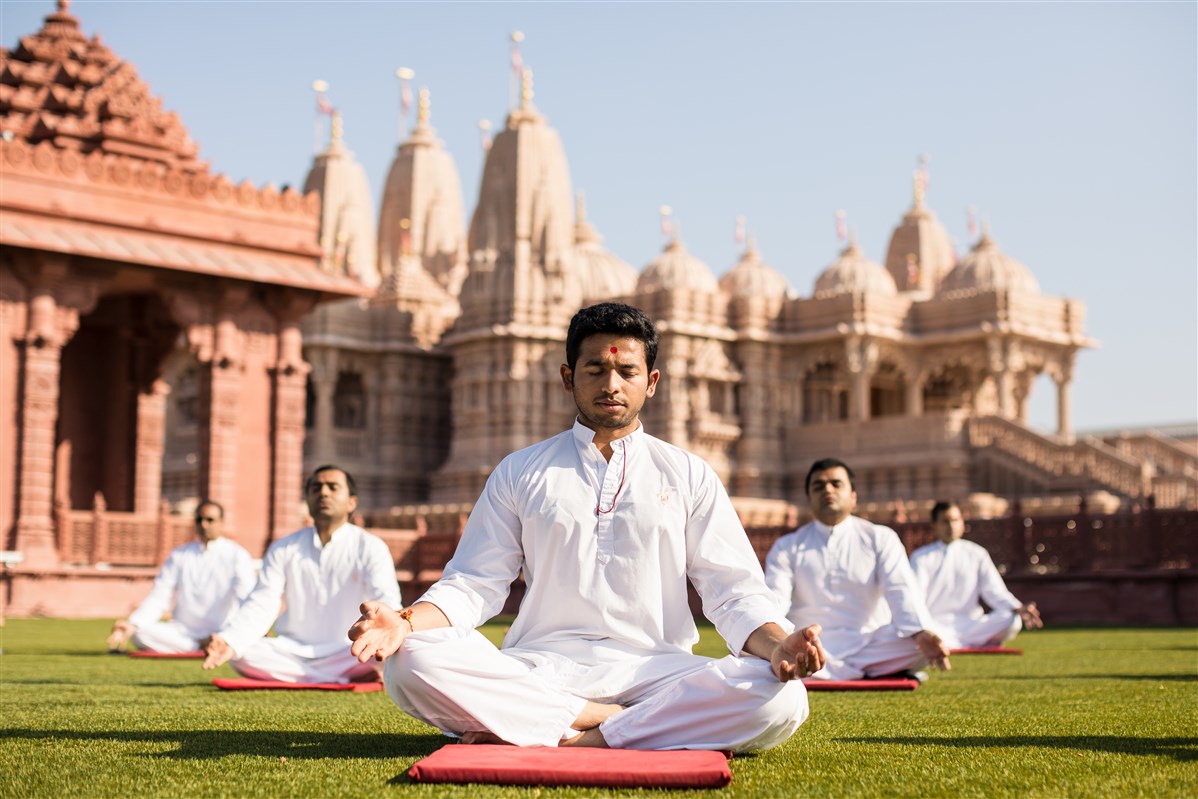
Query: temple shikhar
x=168, y=335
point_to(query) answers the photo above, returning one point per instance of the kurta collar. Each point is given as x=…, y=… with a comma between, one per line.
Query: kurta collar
x=332, y=537
x=827, y=531
x=584, y=436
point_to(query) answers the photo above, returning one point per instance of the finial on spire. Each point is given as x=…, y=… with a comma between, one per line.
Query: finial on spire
x=752, y=246
x=526, y=88
x=484, y=130
x=63, y=6
x=667, y=225
x=842, y=230
x=422, y=105
x=338, y=128
x=921, y=180
x=740, y=230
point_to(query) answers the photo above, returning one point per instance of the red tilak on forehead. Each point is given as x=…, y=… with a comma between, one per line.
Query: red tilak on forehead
x=614, y=350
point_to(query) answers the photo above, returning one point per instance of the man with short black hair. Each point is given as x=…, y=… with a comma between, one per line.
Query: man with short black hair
x=957, y=576
x=201, y=584
x=852, y=578
x=322, y=572
x=606, y=523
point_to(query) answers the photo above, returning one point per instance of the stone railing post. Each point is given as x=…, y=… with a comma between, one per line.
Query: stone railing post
x=99, y=552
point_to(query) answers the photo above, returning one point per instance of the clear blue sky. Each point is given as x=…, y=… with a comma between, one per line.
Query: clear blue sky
x=1071, y=127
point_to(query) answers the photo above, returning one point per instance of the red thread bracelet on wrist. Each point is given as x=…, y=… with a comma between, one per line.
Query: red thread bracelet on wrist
x=406, y=615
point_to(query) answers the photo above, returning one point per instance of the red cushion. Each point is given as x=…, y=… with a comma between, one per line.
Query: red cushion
x=580, y=766
x=145, y=653
x=987, y=650
x=879, y=684
x=246, y=684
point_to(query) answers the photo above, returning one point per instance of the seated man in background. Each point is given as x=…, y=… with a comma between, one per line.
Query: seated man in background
x=323, y=572
x=956, y=577
x=205, y=580
x=852, y=578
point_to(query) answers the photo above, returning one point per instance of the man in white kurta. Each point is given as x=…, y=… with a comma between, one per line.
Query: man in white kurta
x=606, y=523
x=201, y=584
x=852, y=578
x=956, y=577
x=322, y=574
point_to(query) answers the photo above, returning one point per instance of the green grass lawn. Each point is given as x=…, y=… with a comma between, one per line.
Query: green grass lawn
x=1084, y=712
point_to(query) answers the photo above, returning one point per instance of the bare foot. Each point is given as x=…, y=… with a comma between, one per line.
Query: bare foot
x=482, y=737
x=594, y=714
x=592, y=737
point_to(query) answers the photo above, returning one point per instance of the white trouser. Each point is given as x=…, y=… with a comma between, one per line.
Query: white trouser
x=988, y=630
x=459, y=682
x=853, y=655
x=169, y=637
x=270, y=659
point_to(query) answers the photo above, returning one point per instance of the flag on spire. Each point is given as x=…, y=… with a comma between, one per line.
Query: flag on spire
x=517, y=60
x=842, y=228
x=666, y=227
x=323, y=106
x=740, y=230
x=924, y=178
x=971, y=221
x=484, y=128
x=405, y=76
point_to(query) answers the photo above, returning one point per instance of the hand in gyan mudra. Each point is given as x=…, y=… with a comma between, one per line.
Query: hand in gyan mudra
x=378, y=632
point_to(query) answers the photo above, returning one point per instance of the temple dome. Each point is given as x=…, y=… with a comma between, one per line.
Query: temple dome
x=59, y=86
x=920, y=252
x=851, y=273
x=603, y=274
x=422, y=211
x=752, y=277
x=675, y=268
x=987, y=268
x=347, y=236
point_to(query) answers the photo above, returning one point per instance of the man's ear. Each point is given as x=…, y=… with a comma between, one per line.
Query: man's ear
x=567, y=379
x=353, y=503
x=654, y=376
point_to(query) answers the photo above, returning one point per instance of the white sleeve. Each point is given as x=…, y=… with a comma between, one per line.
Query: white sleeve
x=260, y=609
x=903, y=594
x=381, y=584
x=156, y=604
x=991, y=587
x=780, y=573
x=478, y=577
x=724, y=568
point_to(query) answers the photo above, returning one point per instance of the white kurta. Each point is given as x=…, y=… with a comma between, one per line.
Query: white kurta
x=956, y=578
x=606, y=549
x=854, y=580
x=205, y=584
x=323, y=587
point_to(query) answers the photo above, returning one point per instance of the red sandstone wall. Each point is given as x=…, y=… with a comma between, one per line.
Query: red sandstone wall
x=253, y=447
x=12, y=314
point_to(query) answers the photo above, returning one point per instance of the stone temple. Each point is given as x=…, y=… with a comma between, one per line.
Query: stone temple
x=166, y=335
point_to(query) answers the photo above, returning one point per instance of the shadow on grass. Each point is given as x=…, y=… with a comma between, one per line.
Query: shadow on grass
x=210, y=744
x=1181, y=749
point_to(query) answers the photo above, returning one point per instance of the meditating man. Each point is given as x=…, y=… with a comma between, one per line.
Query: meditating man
x=201, y=584
x=957, y=576
x=605, y=523
x=322, y=572
x=852, y=578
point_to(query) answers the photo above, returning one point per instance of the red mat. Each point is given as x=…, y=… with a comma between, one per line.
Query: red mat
x=583, y=767
x=879, y=684
x=246, y=684
x=987, y=650
x=145, y=653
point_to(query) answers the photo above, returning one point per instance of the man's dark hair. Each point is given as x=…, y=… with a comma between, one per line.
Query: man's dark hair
x=612, y=318
x=828, y=463
x=332, y=467
x=213, y=503
x=941, y=508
